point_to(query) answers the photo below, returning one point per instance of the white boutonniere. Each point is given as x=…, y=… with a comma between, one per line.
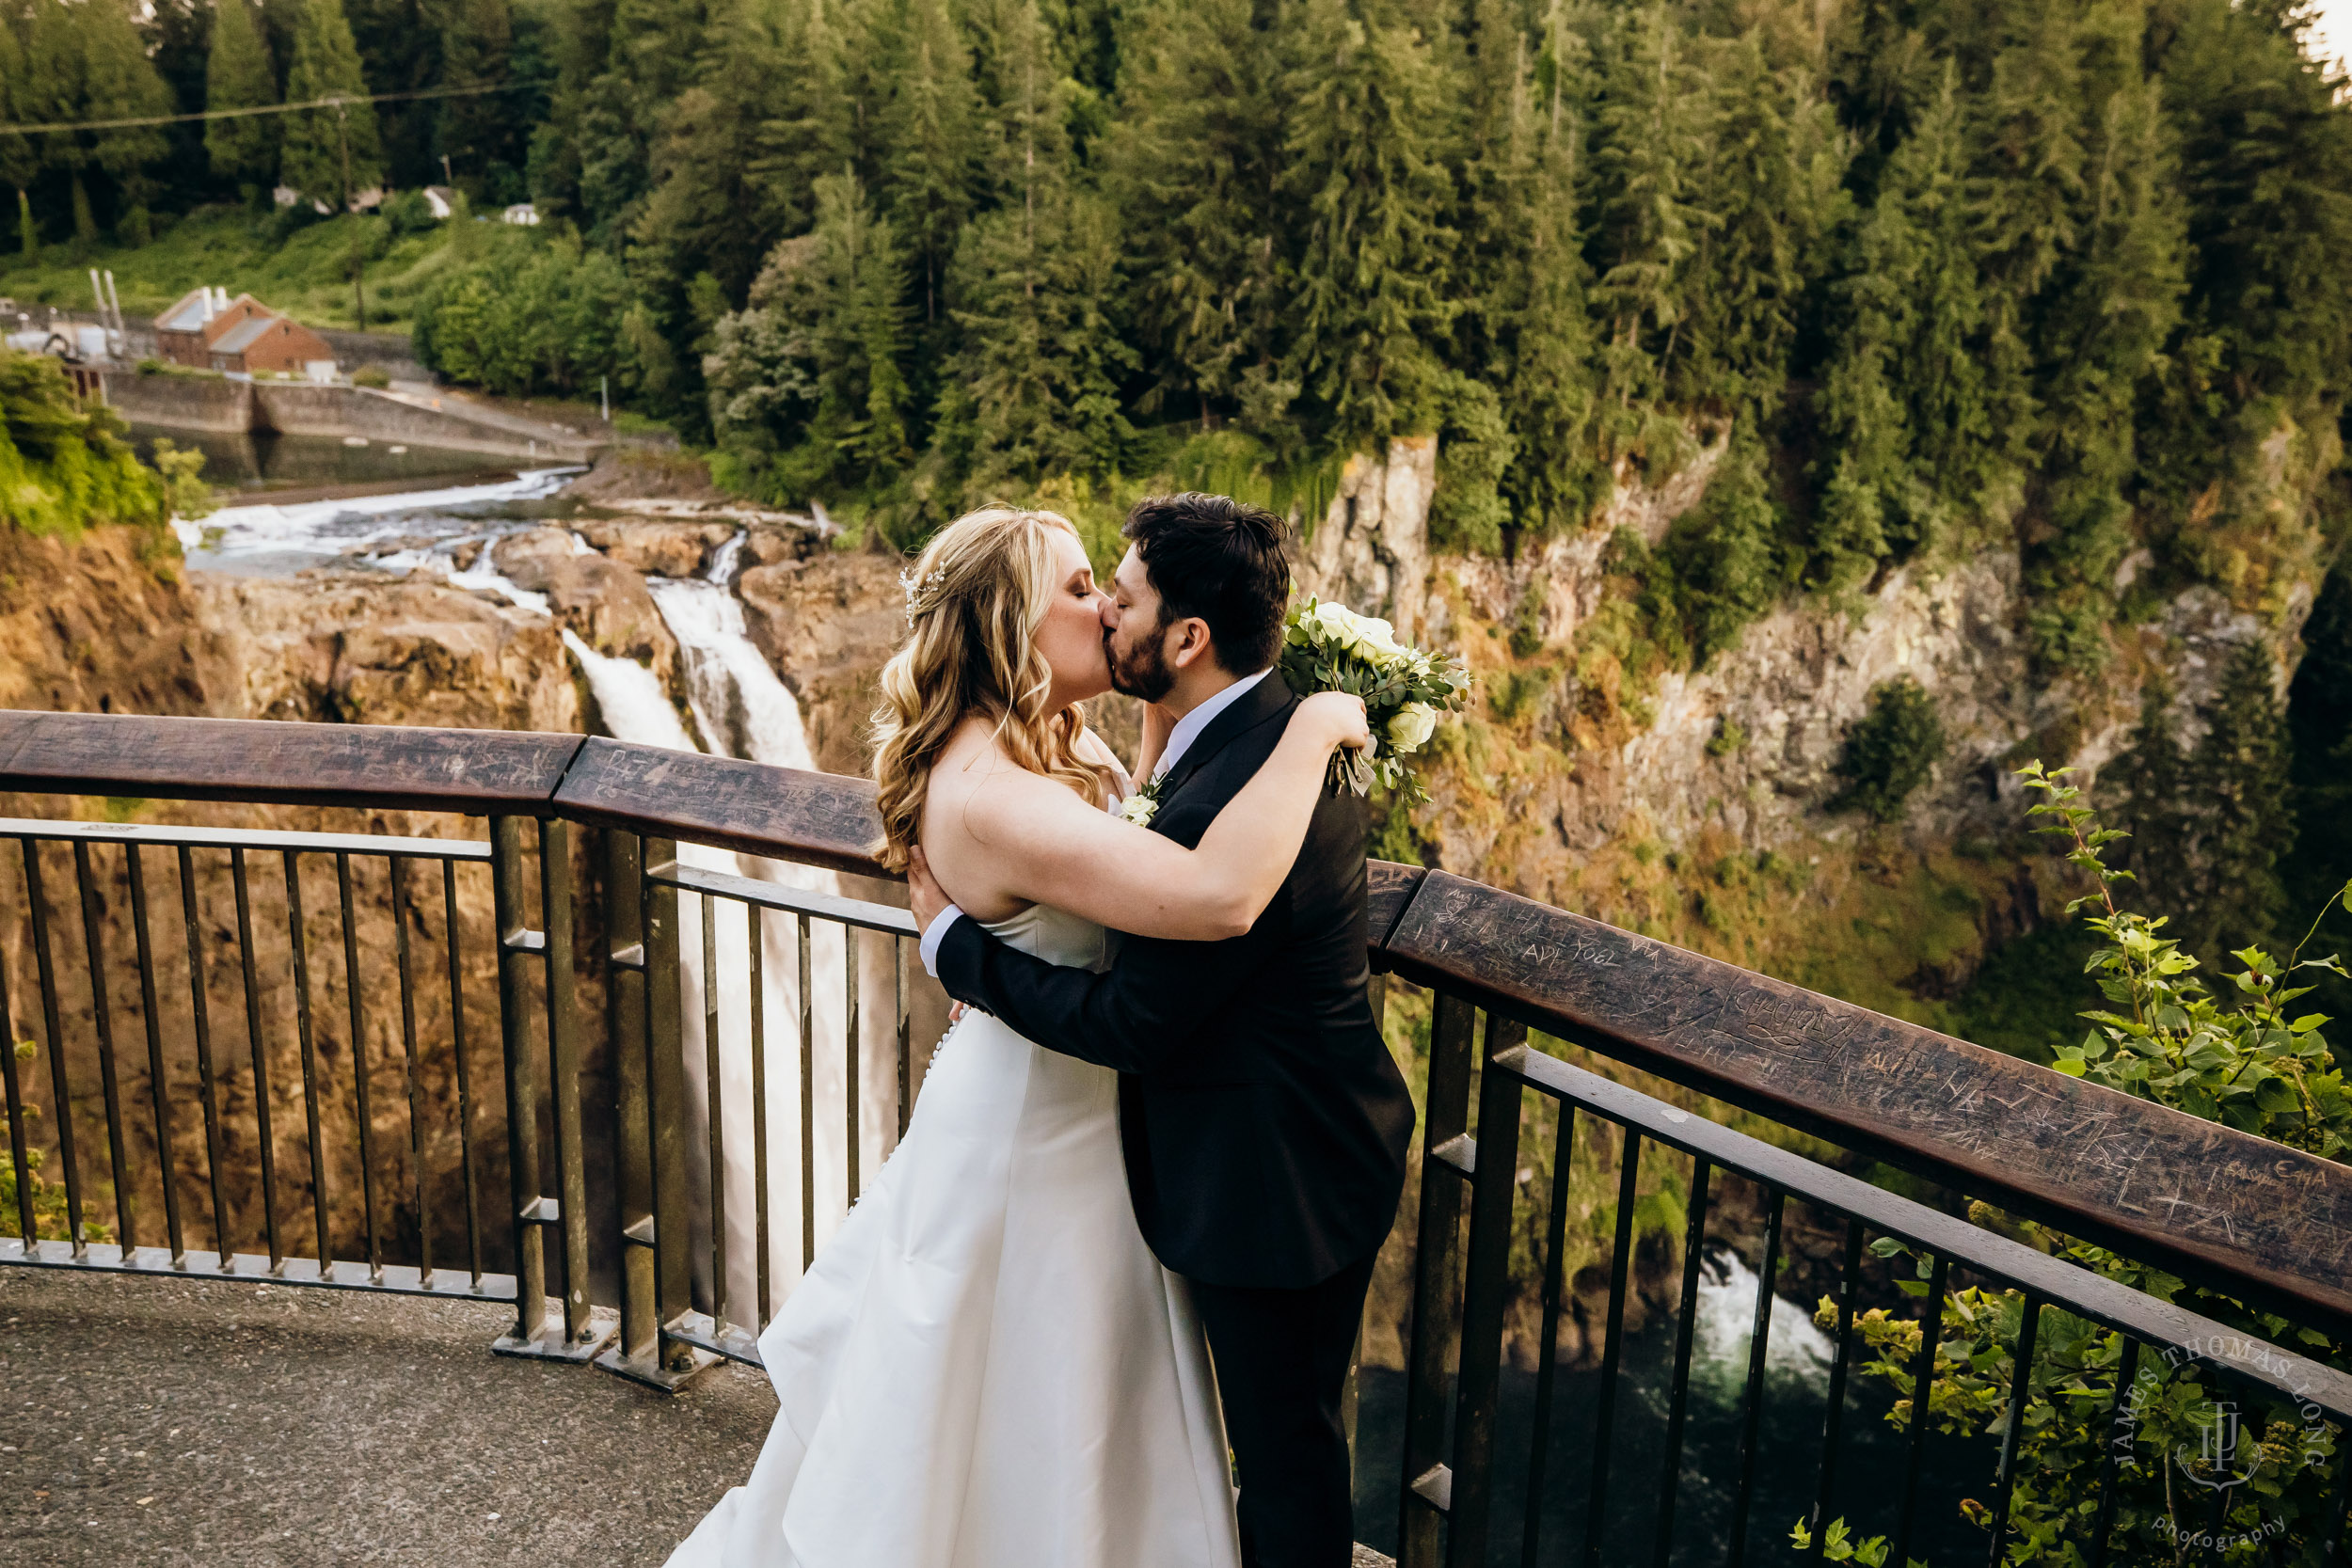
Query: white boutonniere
x=1141, y=803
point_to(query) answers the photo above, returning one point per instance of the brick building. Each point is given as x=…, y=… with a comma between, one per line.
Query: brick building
x=269, y=342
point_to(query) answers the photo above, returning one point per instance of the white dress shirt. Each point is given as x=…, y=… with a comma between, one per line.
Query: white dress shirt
x=1180, y=738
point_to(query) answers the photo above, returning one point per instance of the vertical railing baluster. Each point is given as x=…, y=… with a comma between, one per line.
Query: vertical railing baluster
x=715, y=1115
x=755, y=928
x=903, y=1032
x=517, y=944
x=300, y=960
x=363, y=1104
x=851, y=1027
x=808, y=1094
x=665, y=1083
x=207, y=1083
x=1678, y=1382
x=465, y=1076
x=264, y=1139
x=1759, y=1353
x=397, y=869
x=2332, y=1554
x=2012, y=1437
x=1612, y=1354
x=636, y=1355
x=19, y=1152
x=101, y=1019
x=571, y=1175
x=1922, y=1387
x=157, y=1083
x=1437, y=1307
x=1548, y=1344
x=1849, y=1284
x=1485, y=1294
x=60, y=1094
x=2121, y=1419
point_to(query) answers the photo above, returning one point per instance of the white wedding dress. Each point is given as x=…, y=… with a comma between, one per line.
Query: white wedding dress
x=986, y=1368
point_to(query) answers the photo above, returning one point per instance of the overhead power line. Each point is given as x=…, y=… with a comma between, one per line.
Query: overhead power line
x=339, y=101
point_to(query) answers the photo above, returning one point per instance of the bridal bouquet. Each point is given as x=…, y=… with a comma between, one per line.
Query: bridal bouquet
x=1329, y=647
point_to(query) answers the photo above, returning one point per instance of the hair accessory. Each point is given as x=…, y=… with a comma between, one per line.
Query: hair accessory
x=920, y=590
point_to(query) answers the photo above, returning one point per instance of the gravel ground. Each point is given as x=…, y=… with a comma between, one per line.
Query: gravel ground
x=148, y=1420
x=166, y=1421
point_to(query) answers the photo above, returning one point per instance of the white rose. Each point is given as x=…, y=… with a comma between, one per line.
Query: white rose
x=1335, y=622
x=1137, y=809
x=1378, y=636
x=1411, y=726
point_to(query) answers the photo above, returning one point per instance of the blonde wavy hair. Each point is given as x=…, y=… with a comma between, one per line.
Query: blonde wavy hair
x=974, y=599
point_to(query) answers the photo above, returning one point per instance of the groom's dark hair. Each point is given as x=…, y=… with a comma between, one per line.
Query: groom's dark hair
x=1223, y=561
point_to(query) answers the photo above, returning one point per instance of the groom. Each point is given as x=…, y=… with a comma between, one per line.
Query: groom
x=1264, y=1124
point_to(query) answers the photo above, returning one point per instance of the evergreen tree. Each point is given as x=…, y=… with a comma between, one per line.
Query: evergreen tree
x=326, y=65
x=1031, y=390
x=1374, y=113
x=1195, y=164
x=809, y=132
x=479, y=134
x=20, y=164
x=2116, y=301
x=238, y=76
x=1649, y=148
x=1903, y=401
x=808, y=383
x=2239, y=778
x=84, y=62
x=932, y=157
x=1524, y=327
x=2155, y=809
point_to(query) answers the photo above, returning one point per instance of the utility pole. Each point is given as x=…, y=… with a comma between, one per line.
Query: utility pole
x=447, y=177
x=358, y=262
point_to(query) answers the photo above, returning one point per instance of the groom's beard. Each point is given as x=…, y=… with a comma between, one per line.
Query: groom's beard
x=1144, y=672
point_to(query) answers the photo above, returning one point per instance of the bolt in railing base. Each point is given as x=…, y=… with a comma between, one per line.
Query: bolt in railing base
x=604, y=1325
x=649, y=1371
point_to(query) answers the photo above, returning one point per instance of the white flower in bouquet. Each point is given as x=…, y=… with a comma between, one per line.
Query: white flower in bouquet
x=1410, y=730
x=1330, y=647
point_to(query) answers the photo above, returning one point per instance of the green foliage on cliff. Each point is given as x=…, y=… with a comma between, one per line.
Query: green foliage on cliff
x=64, y=466
x=1890, y=751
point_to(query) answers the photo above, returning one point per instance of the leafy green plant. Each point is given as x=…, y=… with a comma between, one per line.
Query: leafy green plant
x=2165, y=1036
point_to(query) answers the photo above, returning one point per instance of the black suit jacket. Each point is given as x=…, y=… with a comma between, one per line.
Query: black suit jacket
x=1265, y=1123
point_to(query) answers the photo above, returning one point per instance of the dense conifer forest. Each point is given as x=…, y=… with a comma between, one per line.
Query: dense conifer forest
x=1942, y=270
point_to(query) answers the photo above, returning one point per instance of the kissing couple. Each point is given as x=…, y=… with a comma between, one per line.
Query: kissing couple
x=1014, y=1353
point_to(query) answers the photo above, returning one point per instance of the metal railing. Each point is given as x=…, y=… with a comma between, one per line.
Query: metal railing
x=623, y=1130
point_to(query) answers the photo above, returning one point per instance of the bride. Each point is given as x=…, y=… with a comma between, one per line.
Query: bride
x=986, y=1368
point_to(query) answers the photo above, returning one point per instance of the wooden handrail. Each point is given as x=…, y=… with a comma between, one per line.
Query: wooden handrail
x=2227, y=1209
x=272, y=763
x=2215, y=1205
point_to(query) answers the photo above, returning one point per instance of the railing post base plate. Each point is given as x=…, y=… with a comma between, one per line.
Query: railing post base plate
x=649, y=1371
x=604, y=1325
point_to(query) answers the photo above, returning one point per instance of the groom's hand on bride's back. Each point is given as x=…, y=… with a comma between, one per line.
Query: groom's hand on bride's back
x=924, y=896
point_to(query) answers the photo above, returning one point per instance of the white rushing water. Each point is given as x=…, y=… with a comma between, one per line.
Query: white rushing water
x=736, y=706
x=266, y=538
x=742, y=709
x=1795, y=1347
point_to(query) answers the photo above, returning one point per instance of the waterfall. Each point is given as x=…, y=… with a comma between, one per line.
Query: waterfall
x=741, y=709
x=737, y=708
x=1797, y=1349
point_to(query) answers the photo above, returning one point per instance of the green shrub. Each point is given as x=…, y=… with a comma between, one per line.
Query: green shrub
x=376, y=376
x=1890, y=751
x=2165, y=1036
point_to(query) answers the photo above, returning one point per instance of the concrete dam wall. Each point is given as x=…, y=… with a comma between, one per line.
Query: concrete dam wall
x=294, y=409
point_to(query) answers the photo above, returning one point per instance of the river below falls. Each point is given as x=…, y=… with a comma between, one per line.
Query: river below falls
x=737, y=706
